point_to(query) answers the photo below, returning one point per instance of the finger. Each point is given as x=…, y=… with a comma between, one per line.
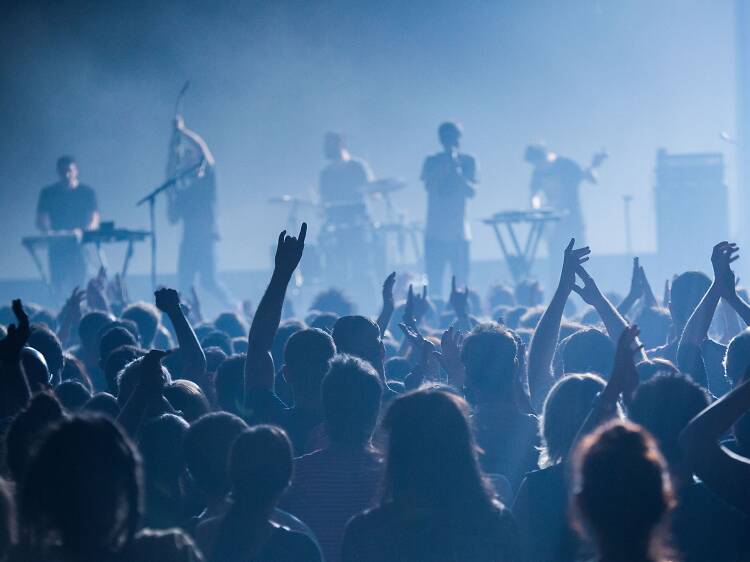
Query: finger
x=576, y=289
x=635, y=263
x=583, y=260
x=733, y=259
x=570, y=245
x=281, y=237
x=302, y=233
x=453, y=284
x=424, y=292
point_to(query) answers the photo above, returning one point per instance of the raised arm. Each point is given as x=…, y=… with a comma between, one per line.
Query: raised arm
x=590, y=293
x=14, y=387
x=259, y=368
x=191, y=352
x=388, y=304
x=544, y=341
x=726, y=473
x=635, y=292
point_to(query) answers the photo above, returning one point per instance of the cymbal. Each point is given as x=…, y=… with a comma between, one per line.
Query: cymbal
x=291, y=200
x=384, y=185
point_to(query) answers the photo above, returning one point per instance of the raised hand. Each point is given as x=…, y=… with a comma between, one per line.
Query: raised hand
x=388, y=304
x=624, y=379
x=572, y=260
x=408, y=316
x=459, y=300
x=167, y=300
x=421, y=304
x=449, y=356
x=724, y=253
x=636, y=281
x=648, y=293
x=289, y=250
x=590, y=292
x=18, y=334
x=415, y=339
x=388, y=284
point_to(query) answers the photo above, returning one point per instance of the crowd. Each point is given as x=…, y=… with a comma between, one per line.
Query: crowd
x=455, y=430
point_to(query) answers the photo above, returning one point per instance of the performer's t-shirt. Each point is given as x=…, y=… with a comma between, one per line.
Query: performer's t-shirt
x=339, y=181
x=445, y=179
x=67, y=208
x=559, y=182
x=195, y=205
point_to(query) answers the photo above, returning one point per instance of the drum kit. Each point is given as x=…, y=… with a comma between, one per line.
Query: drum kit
x=360, y=240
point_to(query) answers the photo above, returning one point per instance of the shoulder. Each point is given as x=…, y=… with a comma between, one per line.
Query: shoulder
x=169, y=544
x=49, y=190
x=467, y=159
x=295, y=544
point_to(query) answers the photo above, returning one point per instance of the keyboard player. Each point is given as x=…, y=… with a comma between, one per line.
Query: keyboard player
x=67, y=206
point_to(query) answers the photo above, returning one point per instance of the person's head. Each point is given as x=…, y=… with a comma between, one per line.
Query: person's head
x=359, y=336
x=260, y=467
x=500, y=295
x=187, y=397
x=686, y=292
x=333, y=300
x=26, y=428
x=566, y=406
x=449, y=135
x=90, y=501
x=654, y=325
x=664, y=405
x=72, y=395
x=588, y=351
x=737, y=358
x=160, y=445
x=46, y=342
x=351, y=394
x=75, y=370
x=217, y=339
x=207, y=445
x=229, y=383
x=67, y=170
x=322, y=320
x=116, y=362
x=215, y=357
x=489, y=357
x=35, y=368
x=112, y=338
x=535, y=154
x=528, y=293
x=103, y=403
x=651, y=367
x=285, y=331
x=431, y=457
x=231, y=324
x=334, y=145
x=307, y=356
x=130, y=377
x=89, y=328
x=147, y=318
x=622, y=492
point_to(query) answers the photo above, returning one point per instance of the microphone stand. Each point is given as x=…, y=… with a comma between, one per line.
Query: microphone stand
x=151, y=200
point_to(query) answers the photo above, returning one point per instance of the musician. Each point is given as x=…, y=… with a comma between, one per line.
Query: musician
x=555, y=183
x=193, y=202
x=342, y=178
x=67, y=207
x=347, y=239
x=450, y=178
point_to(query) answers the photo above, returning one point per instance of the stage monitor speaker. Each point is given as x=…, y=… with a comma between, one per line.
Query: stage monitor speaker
x=692, y=208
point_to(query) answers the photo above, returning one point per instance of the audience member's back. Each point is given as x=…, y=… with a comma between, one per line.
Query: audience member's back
x=334, y=484
x=437, y=504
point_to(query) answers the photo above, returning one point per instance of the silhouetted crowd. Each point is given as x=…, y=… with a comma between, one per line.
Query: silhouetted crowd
x=592, y=428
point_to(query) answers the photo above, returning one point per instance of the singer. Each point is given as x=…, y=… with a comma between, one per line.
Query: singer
x=192, y=201
x=450, y=178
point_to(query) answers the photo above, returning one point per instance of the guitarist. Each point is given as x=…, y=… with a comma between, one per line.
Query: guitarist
x=555, y=182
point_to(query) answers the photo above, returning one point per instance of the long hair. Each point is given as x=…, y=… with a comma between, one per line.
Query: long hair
x=431, y=455
x=83, y=487
x=565, y=409
x=622, y=492
x=260, y=469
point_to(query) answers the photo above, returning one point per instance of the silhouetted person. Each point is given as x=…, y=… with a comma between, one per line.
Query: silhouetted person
x=333, y=484
x=67, y=206
x=450, y=178
x=437, y=504
x=260, y=469
x=68, y=514
x=193, y=203
x=622, y=494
